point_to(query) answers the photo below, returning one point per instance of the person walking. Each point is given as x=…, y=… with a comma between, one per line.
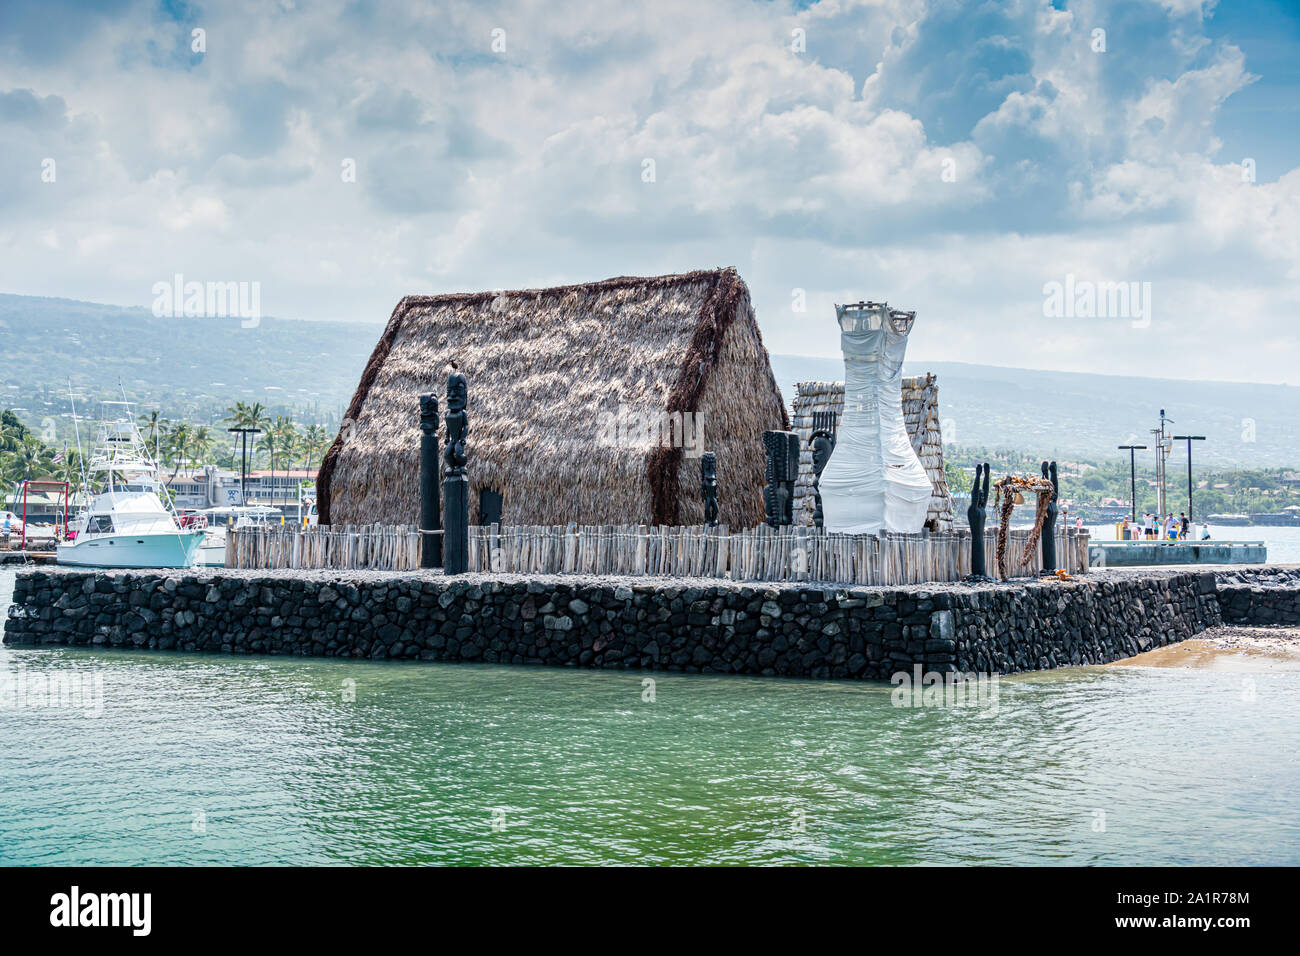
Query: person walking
x=1184, y=525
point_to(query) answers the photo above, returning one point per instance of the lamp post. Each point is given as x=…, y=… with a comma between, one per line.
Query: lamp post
x=243, y=459
x=1162, y=454
x=1132, y=474
x=1189, y=439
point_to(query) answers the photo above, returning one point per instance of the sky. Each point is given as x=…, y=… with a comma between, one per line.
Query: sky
x=1094, y=186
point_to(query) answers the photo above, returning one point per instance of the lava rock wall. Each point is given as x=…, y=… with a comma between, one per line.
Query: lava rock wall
x=795, y=630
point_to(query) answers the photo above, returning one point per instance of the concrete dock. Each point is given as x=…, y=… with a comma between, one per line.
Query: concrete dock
x=26, y=557
x=1134, y=554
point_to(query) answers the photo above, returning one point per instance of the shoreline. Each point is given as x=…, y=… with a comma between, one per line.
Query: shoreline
x=1238, y=618
x=815, y=630
x=1230, y=648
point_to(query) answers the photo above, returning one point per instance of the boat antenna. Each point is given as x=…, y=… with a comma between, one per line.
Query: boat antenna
x=76, y=430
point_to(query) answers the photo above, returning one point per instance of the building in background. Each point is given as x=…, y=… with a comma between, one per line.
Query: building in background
x=212, y=487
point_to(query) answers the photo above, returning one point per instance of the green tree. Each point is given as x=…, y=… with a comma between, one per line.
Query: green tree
x=288, y=438
x=279, y=441
x=153, y=425
x=315, y=441
x=30, y=459
x=177, y=446
x=202, y=443
x=69, y=469
x=245, y=415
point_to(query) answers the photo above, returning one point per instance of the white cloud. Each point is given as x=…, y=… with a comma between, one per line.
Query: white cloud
x=825, y=170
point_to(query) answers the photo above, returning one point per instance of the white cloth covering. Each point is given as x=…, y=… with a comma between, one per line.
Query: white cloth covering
x=874, y=480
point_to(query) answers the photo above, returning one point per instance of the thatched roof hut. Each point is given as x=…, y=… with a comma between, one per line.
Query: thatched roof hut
x=920, y=413
x=568, y=390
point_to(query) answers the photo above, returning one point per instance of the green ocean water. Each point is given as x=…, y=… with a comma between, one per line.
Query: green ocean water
x=196, y=759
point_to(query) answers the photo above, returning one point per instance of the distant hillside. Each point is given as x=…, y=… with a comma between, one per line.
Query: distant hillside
x=195, y=368
x=1077, y=414
x=191, y=367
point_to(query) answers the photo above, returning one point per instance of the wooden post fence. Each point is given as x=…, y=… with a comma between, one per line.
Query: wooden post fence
x=758, y=554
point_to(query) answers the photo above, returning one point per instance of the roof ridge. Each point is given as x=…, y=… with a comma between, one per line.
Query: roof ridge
x=719, y=296
x=614, y=282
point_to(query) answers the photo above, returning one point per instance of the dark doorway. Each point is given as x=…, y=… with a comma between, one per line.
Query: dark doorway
x=489, y=507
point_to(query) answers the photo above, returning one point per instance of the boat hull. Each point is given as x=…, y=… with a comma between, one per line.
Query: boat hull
x=211, y=555
x=177, y=549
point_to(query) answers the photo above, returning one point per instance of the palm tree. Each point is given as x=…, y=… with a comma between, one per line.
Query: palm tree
x=279, y=440
x=292, y=440
x=179, y=439
x=288, y=438
x=267, y=443
x=153, y=428
x=69, y=469
x=30, y=459
x=244, y=415
x=202, y=443
x=314, y=440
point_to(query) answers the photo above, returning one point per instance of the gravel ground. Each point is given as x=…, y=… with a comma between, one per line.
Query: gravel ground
x=1261, y=574
x=204, y=574
x=1284, y=640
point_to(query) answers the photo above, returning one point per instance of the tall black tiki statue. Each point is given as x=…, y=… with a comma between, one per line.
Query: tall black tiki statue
x=976, y=514
x=455, y=486
x=430, y=519
x=709, y=487
x=823, y=443
x=782, y=472
x=1049, y=524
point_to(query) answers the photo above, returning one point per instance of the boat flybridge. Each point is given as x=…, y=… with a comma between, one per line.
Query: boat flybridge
x=129, y=522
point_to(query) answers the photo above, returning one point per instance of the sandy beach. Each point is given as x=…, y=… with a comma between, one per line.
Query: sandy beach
x=1228, y=648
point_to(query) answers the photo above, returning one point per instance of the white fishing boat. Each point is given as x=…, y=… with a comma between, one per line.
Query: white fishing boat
x=127, y=523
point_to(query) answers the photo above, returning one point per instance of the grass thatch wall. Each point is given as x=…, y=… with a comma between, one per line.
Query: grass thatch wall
x=547, y=369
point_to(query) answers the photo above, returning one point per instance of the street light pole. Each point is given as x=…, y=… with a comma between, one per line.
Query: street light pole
x=1162, y=454
x=1189, y=439
x=1132, y=474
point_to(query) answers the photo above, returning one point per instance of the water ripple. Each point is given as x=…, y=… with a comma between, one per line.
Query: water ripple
x=208, y=760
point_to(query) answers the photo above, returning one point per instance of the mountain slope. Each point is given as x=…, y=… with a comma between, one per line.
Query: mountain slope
x=189, y=366
x=1077, y=414
x=196, y=367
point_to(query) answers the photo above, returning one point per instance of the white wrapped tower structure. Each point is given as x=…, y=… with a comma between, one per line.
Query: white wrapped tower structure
x=874, y=481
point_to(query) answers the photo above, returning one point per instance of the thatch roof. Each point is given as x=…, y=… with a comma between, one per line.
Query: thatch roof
x=920, y=412
x=548, y=371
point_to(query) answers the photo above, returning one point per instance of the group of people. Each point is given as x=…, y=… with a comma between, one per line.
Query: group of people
x=1153, y=528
